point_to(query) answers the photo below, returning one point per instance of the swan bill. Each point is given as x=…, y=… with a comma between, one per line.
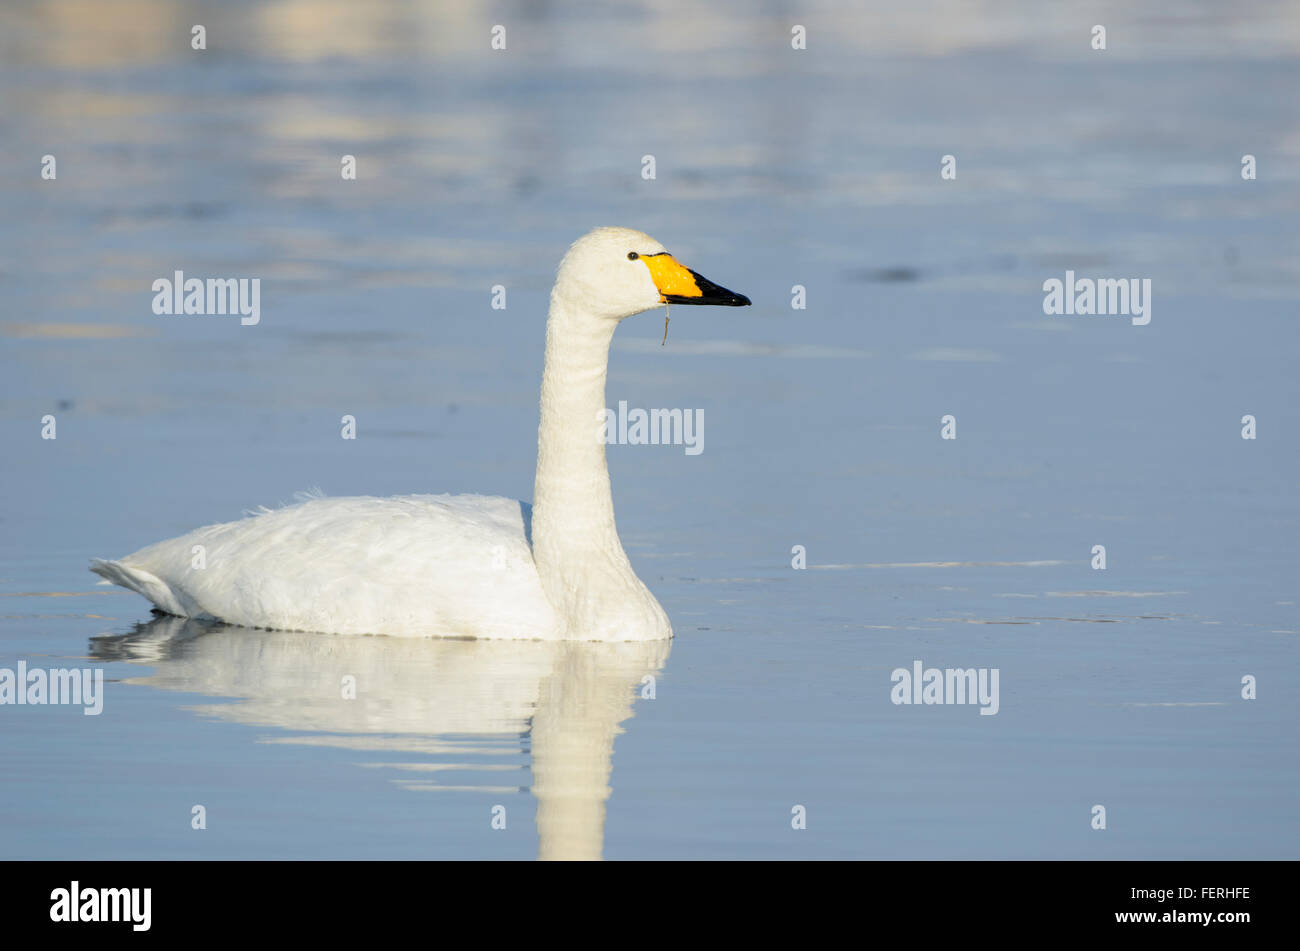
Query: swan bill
x=678, y=284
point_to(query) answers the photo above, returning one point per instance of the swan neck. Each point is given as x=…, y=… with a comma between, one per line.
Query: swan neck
x=581, y=564
x=573, y=507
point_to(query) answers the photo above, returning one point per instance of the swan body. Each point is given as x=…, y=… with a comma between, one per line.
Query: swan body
x=457, y=565
x=368, y=571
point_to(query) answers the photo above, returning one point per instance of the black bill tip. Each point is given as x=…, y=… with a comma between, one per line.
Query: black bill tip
x=710, y=293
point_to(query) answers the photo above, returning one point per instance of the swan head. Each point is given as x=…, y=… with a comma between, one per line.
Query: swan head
x=617, y=272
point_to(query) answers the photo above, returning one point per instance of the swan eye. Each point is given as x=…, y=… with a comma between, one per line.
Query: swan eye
x=632, y=255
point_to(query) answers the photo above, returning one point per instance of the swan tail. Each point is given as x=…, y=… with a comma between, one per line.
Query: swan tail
x=141, y=582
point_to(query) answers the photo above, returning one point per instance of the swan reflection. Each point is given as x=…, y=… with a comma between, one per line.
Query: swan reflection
x=432, y=697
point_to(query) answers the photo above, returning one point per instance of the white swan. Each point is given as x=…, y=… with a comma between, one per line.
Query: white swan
x=459, y=565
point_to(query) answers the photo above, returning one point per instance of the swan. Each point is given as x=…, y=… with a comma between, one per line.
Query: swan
x=457, y=565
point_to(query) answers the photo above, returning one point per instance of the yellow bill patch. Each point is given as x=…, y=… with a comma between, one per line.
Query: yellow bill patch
x=671, y=278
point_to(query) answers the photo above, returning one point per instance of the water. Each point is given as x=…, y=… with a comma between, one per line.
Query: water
x=774, y=167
